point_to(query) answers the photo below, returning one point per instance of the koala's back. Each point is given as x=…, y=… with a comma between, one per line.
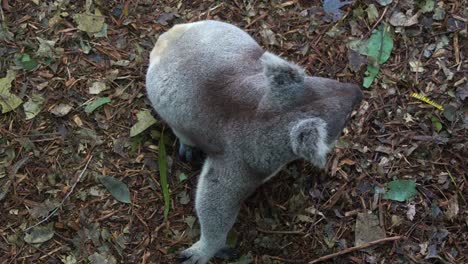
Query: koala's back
x=201, y=71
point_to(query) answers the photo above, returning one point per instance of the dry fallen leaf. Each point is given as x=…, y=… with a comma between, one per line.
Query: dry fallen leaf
x=398, y=19
x=61, y=109
x=367, y=229
x=411, y=212
x=453, y=208
x=8, y=100
x=416, y=66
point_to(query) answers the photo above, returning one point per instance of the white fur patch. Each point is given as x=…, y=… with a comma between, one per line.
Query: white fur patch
x=271, y=60
x=322, y=147
x=164, y=41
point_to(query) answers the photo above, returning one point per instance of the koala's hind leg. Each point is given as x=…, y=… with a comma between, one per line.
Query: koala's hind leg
x=182, y=138
x=222, y=186
x=187, y=150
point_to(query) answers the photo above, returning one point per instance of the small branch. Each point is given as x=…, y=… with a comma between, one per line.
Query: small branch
x=256, y=20
x=378, y=22
x=351, y=249
x=281, y=232
x=2, y=16
x=284, y=260
x=64, y=198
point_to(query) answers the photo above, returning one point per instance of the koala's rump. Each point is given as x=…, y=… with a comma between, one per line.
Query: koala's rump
x=204, y=76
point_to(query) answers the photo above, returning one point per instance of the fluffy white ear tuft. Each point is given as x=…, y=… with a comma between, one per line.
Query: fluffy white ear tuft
x=309, y=140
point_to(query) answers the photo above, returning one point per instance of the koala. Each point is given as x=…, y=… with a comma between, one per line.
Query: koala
x=250, y=111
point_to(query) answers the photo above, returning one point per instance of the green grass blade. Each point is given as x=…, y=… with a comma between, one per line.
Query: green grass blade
x=163, y=176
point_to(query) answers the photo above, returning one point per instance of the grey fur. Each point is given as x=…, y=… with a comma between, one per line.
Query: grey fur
x=250, y=111
x=285, y=81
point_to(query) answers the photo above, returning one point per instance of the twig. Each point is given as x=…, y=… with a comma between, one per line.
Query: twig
x=2, y=16
x=285, y=260
x=351, y=249
x=419, y=64
x=64, y=198
x=256, y=20
x=378, y=22
x=281, y=232
x=455, y=184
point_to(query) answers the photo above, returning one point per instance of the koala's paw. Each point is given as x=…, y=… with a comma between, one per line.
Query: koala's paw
x=185, y=152
x=190, y=154
x=194, y=255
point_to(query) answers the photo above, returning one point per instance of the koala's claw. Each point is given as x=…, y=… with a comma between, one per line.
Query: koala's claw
x=227, y=253
x=192, y=256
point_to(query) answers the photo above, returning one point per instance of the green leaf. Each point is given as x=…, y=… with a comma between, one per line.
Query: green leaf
x=33, y=106
x=117, y=188
x=163, y=177
x=182, y=177
x=96, y=103
x=145, y=120
x=427, y=6
x=400, y=190
x=436, y=123
x=380, y=45
x=8, y=101
x=27, y=62
x=379, y=48
x=371, y=73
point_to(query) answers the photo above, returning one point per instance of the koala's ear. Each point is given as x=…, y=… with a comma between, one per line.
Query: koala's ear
x=309, y=140
x=285, y=79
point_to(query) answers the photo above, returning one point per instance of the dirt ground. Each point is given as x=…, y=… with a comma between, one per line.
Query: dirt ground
x=77, y=70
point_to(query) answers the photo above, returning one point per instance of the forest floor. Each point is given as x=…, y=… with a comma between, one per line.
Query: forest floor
x=75, y=134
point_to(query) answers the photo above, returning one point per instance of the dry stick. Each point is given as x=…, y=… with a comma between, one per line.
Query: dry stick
x=284, y=260
x=64, y=198
x=419, y=63
x=2, y=16
x=348, y=250
x=378, y=22
x=256, y=20
x=281, y=232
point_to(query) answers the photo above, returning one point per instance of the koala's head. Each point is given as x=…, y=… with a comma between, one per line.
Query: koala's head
x=324, y=112
x=319, y=107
